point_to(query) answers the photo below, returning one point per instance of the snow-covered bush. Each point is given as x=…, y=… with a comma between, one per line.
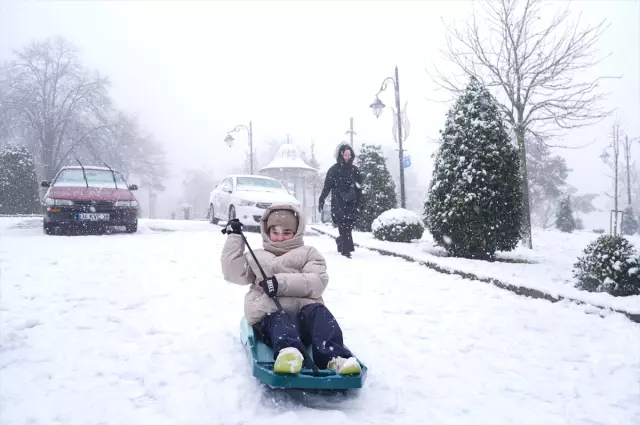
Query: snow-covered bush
x=474, y=206
x=610, y=264
x=599, y=230
x=18, y=184
x=397, y=225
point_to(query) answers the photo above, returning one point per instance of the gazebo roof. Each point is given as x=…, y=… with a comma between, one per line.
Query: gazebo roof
x=288, y=158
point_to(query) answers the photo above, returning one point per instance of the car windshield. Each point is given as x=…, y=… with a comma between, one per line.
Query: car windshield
x=258, y=184
x=97, y=178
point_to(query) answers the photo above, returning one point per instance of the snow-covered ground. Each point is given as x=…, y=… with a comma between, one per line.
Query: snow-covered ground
x=548, y=267
x=142, y=329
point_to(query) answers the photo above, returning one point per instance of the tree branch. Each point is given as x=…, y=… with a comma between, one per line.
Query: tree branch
x=76, y=144
x=535, y=65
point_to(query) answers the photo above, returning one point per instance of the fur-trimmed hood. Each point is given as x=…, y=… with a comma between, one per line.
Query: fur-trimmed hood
x=279, y=248
x=340, y=151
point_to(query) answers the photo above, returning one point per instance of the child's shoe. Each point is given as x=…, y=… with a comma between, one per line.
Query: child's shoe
x=289, y=360
x=343, y=366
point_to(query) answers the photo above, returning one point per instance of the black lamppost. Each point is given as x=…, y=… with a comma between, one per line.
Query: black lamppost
x=229, y=140
x=377, y=107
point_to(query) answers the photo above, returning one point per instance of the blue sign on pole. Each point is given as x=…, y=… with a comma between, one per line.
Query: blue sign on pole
x=406, y=161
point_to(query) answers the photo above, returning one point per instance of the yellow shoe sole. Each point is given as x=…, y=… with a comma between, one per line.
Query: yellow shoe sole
x=288, y=362
x=351, y=369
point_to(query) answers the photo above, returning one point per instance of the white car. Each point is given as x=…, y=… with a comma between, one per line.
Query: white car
x=246, y=197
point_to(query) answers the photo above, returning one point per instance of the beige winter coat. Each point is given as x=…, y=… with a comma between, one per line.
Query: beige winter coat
x=300, y=269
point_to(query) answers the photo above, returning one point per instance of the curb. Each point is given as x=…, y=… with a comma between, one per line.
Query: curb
x=519, y=290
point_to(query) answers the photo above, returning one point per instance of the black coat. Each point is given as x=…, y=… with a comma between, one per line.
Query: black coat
x=344, y=182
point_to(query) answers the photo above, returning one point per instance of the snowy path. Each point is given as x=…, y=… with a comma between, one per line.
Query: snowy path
x=141, y=329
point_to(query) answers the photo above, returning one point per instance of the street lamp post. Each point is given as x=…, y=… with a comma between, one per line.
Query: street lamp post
x=377, y=107
x=229, y=140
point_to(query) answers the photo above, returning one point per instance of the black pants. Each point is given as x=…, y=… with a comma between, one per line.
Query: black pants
x=314, y=325
x=345, y=223
x=345, y=240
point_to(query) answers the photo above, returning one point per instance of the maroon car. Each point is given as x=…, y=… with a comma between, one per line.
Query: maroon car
x=89, y=196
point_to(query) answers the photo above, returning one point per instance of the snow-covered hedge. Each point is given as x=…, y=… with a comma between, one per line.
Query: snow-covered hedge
x=610, y=264
x=397, y=225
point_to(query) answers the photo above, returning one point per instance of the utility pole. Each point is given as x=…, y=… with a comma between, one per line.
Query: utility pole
x=627, y=154
x=251, y=147
x=615, y=164
x=350, y=132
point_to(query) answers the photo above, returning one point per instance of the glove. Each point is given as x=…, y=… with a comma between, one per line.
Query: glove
x=270, y=286
x=320, y=208
x=234, y=226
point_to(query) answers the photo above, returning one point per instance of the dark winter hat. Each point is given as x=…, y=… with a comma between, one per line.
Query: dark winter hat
x=285, y=218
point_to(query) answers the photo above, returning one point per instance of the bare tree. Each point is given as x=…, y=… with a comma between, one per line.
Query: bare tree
x=613, y=161
x=152, y=165
x=197, y=186
x=57, y=103
x=546, y=212
x=126, y=148
x=635, y=188
x=8, y=125
x=4, y=117
x=532, y=68
x=547, y=176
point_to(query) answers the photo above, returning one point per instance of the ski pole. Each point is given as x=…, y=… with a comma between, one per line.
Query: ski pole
x=275, y=299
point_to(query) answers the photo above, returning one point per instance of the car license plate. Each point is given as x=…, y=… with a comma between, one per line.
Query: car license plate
x=93, y=216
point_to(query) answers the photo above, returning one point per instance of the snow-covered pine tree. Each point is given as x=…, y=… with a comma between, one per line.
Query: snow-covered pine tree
x=18, y=184
x=629, y=224
x=474, y=204
x=565, y=222
x=378, y=188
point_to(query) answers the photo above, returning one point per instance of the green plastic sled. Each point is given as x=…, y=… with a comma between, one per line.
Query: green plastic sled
x=262, y=364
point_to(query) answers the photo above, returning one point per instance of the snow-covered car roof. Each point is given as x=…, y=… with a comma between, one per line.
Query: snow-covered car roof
x=251, y=176
x=87, y=167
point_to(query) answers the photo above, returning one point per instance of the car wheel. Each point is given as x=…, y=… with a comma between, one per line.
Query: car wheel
x=49, y=229
x=232, y=212
x=132, y=228
x=212, y=216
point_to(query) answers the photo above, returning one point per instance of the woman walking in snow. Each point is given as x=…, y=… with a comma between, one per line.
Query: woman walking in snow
x=298, y=277
x=344, y=182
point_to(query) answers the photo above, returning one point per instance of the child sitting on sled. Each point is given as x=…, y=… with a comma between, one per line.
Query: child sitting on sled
x=297, y=275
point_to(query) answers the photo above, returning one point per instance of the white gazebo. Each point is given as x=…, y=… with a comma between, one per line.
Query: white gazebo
x=289, y=167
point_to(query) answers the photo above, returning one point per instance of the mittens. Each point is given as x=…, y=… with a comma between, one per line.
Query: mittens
x=270, y=286
x=235, y=226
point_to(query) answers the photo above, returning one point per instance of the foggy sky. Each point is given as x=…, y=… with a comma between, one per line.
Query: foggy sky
x=194, y=70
